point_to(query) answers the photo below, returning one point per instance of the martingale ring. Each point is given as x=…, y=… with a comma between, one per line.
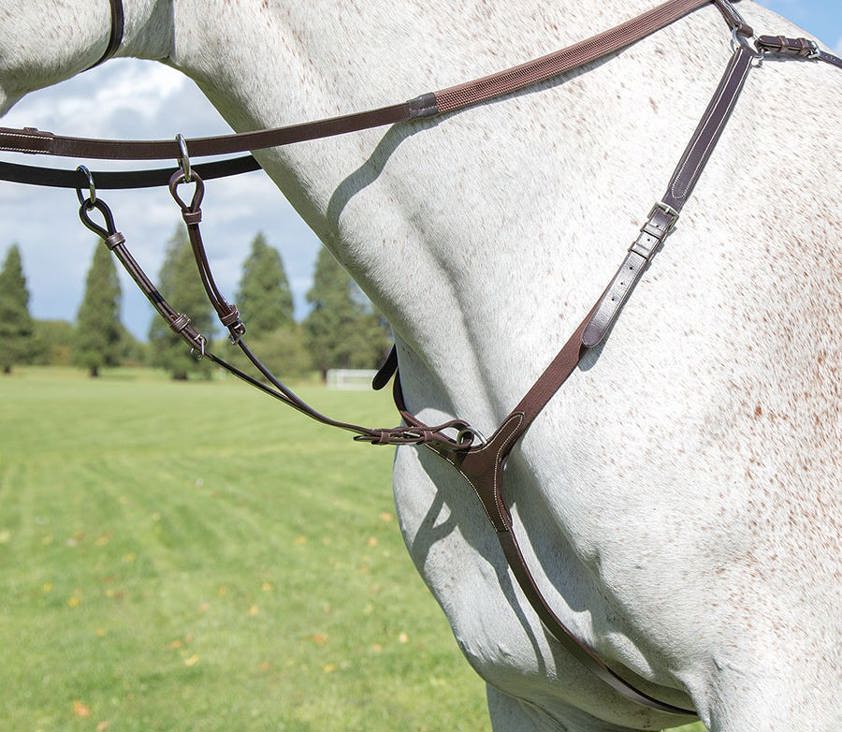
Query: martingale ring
x=91, y=200
x=184, y=158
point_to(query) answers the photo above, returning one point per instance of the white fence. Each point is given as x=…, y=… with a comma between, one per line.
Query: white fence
x=355, y=379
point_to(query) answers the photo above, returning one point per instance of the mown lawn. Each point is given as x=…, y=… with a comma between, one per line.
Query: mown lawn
x=196, y=557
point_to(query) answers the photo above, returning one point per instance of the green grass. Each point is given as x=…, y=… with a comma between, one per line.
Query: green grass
x=195, y=557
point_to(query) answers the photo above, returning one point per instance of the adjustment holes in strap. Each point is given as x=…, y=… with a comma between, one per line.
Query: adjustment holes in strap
x=103, y=232
x=176, y=179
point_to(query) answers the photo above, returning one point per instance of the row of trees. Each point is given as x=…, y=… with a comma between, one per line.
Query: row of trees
x=341, y=331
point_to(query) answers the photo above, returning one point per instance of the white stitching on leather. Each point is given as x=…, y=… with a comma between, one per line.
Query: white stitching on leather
x=722, y=121
x=495, y=490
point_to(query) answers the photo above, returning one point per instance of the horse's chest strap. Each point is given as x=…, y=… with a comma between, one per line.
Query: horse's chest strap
x=483, y=465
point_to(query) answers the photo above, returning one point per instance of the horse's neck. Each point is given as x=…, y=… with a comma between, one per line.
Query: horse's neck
x=45, y=43
x=455, y=228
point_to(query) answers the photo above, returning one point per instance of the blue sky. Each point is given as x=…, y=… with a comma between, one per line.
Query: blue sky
x=146, y=100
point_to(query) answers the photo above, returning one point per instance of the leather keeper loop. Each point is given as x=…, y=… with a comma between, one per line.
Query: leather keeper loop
x=231, y=317
x=802, y=47
x=114, y=240
x=191, y=218
x=180, y=323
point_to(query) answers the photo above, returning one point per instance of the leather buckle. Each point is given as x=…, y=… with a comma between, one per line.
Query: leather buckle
x=659, y=225
x=670, y=211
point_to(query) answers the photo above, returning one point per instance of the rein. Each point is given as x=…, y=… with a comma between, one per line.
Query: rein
x=481, y=463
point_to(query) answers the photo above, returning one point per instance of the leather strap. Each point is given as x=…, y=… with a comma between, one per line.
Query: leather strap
x=733, y=18
x=111, y=180
x=115, y=37
x=483, y=465
x=829, y=58
x=663, y=217
x=804, y=48
x=191, y=212
x=33, y=141
x=116, y=242
x=567, y=59
x=228, y=314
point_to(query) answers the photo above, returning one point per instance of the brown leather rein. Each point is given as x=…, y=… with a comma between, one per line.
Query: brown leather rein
x=481, y=463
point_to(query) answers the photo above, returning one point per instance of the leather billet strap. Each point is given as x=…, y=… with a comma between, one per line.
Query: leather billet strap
x=664, y=215
x=30, y=140
x=803, y=48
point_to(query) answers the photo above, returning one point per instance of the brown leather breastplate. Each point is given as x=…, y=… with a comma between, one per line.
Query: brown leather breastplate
x=480, y=463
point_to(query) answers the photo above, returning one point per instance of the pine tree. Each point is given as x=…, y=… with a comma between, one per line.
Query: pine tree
x=264, y=297
x=179, y=283
x=16, y=326
x=99, y=333
x=343, y=331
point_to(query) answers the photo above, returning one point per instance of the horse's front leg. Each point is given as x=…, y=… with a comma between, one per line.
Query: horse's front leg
x=515, y=715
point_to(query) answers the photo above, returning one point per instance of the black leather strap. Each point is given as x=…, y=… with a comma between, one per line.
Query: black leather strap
x=111, y=180
x=115, y=37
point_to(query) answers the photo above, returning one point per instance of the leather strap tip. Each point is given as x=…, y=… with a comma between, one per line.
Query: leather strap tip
x=386, y=371
x=370, y=439
x=592, y=336
x=380, y=381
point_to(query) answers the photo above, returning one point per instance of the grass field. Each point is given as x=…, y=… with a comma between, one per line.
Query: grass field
x=195, y=557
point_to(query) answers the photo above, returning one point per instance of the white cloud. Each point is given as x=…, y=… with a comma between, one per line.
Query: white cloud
x=135, y=99
x=87, y=106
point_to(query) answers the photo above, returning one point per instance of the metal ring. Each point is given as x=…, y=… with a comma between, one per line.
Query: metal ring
x=741, y=39
x=91, y=187
x=184, y=157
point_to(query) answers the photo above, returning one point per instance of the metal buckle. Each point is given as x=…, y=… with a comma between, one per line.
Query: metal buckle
x=652, y=235
x=816, y=52
x=667, y=209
